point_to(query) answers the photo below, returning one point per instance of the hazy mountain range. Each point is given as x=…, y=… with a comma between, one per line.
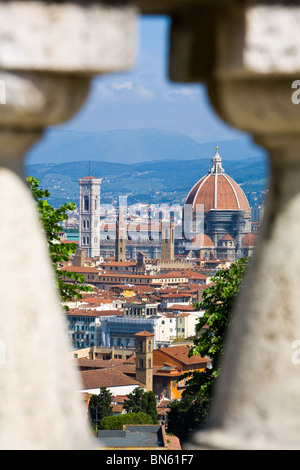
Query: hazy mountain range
x=167, y=181
x=150, y=165
x=133, y=146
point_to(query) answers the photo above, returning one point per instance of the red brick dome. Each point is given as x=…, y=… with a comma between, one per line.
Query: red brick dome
x=249, y=239
x=216, y=190
x=202, y=240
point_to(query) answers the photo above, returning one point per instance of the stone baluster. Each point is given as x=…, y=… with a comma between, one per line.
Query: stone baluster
x=254, y=60
x=48, y=54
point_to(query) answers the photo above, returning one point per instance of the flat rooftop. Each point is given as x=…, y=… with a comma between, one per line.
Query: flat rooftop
x=133, y=436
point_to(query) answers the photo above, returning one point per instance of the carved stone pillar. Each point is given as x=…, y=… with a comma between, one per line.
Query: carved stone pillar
x=48, y=54
x=255, y=60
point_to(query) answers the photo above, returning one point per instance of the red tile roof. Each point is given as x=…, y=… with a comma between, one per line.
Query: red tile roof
x=181, y=353
x=93, y=313
x=218, y=192
x=249, y=239
x=105, y=378
x=144, y=333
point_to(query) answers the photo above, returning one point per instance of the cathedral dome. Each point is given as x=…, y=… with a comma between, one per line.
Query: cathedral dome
x=249, y=239
x=216, y=190
x=202, y=240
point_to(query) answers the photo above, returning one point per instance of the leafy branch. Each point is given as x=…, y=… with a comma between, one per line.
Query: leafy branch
x=60, y=253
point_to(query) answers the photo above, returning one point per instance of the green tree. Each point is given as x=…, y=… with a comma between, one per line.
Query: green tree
x=117, y=422
x=217, y=303
x=59, y=252
x=141, y=401
x=185, y=415
x=100, y=407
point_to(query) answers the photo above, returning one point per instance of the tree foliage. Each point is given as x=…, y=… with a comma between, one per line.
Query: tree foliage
x=117, y=422
x=141, y=401
x=100, y=407
x=59, y=252
x=217, y=303
x=185, y=415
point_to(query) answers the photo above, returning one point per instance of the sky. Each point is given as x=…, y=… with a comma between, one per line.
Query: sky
x=145, y=98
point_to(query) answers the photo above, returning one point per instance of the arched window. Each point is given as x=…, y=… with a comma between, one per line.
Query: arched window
x=149, y=346
x=149, y=362
x=83, y=223
x=87, y=224
x=141, y=364
x=86, y=203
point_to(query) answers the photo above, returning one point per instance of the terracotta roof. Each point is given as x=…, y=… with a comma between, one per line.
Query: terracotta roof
x=173, y=443
x=119, y=399
x=202, y=240
x=89, y=178
x=82, y=269
x=127, y=368
x=175, y=295
x=105, y=378
x=98, y=363
x=144, y=333
x=93, y=313
x=216, y=190
x=120, y=263
x=116, y=408
x=162, y=411
x=179, y=307
x=181, y=354
x=143, y=289
x=249, y=239
x=227, y=236
x=166, y=372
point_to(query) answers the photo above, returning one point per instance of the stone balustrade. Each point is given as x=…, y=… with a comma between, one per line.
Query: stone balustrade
x=48, y=54
x=248, y=56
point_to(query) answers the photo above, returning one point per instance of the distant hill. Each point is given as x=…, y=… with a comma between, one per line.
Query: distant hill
x=133, y=146
x=155, y=182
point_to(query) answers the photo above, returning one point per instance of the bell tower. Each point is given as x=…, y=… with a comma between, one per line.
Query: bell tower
x=89, y=215
x=167, y=241
x=144, y=359
x=120, y=244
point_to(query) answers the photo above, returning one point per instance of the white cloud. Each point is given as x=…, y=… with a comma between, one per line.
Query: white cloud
x=121, y=86
x=144, y=92
x=122, y=91
x=183, y=93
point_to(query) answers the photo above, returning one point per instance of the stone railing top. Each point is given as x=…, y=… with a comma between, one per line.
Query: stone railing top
x=69, y=37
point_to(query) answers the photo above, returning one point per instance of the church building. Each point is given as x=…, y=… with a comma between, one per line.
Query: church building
x=89, y=215
x=217, y=215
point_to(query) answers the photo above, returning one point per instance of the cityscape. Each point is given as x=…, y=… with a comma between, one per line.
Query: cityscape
x=149, y=202
x=147, y=267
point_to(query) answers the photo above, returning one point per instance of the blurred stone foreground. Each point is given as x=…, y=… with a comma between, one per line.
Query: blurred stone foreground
x=248, y=55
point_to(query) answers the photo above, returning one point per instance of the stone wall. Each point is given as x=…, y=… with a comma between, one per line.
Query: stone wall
x=247, y=54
